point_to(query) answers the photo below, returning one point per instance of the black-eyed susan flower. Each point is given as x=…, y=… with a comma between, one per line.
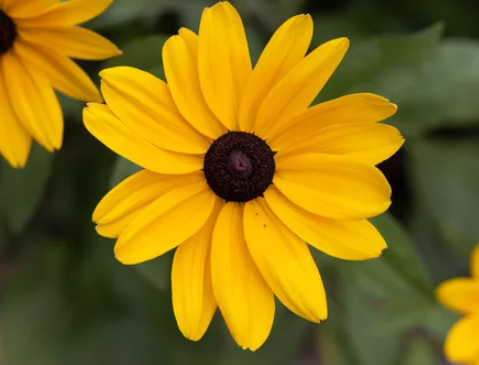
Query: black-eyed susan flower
x=239, y=173
x=38, y=38
x=462, y=295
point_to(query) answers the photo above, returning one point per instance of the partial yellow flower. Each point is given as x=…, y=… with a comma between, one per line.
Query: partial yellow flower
x=239, y=172
x=38, y=38
x=462, y=295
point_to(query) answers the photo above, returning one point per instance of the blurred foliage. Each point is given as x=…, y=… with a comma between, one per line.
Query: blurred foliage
x=65, y=300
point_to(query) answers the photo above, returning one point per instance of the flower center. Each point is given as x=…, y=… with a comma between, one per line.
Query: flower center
x=239, y=166
x=8, y=32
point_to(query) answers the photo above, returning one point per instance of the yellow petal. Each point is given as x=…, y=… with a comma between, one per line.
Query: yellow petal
x=297, y=90
x=74, y=42
x=333, y=186
x=180, y=59
x=113, y=133
x=33, y=101
x=285, y=262
x=143, y=102
x=165, y=224
x=461, y=344
x=367, y=143
x=115, y=228
x=70, y=12
x=475, y=262
x=139, y=190
x=64, y=74
x=224, y=62
x=286, y=48
x=15, y=141
x=460, y=294
x=27, y=8
x=245, y=300
x=348, y=240
x=355, y=109
x=193, y=301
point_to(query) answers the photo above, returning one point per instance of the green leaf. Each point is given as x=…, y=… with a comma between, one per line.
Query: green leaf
x=420, y=352
x=22, y=189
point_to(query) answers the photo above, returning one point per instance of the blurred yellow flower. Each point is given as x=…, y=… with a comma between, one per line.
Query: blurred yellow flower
x=37, y=40
x=462, y=295
x=239, y=173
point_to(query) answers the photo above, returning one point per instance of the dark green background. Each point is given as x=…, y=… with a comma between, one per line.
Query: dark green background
x=66, y=301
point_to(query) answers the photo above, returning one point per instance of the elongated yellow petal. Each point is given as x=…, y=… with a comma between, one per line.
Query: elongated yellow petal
x=193, y=300
x=355, y=109
x=115, y=228
x=139, y=190
x=367, y=143
x=165, y=224
x=461, y=344
x=71, y=12
x=143, y=103
x=180, y=59
x=15, y=141
x=286, y=48
x=74, y=42
x=348, y=240
x=333, y=186
x=297, y=90
x=33, y=101
x=284, y=261
x=460, y=294
x=475, y=263
x=20, y=9
x=224, y=62
x=113, y=133
x=64, y=74
x=245, y=300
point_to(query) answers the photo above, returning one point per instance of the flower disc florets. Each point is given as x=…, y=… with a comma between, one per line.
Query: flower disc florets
x=8, y=32
x=239, y=166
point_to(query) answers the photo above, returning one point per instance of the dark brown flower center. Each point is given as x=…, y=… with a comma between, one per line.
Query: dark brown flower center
x=8, y=32
x=239, y=166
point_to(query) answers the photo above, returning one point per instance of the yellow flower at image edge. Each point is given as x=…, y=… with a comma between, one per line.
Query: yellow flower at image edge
x=239, y=173
x=462, y=295
x=37, y=40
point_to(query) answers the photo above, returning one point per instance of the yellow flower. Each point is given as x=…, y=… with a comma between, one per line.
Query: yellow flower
x=37, y=40
x=239, y=174
x=462, y=295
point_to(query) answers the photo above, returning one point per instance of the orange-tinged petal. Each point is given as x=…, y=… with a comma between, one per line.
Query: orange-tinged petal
x=180, y=59
x=333, y=186
x=286, y=49
x=284, y=261
x=461, y=344
x=245, y=300
x=144, y=103
x=297, y=90
x=460, y=294
x=119, y=137
x=367, y=143
x=348, y=240
x=224, y=61
x=27, y=8
x=193, y=301
x=165, y=224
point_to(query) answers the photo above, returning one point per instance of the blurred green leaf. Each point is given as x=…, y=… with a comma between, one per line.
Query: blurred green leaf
x=22, y=189
x=420, y=352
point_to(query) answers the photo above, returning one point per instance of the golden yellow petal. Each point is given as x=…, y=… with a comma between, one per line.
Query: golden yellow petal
x=462, y=346
x=348, y=240
x=245, y=300
x=119, y=137
x=20, y=9
x=162, y=226
x=34, y=101
x=64, y=74
x=297, y=90
x=475, y=262
x=144, y=103
x=367, y=143
x=286, y=49
x=115, y=228
x=180, y=59
x=224, y=61
x=460, y=294
x=333, y=186
x=284, y=261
